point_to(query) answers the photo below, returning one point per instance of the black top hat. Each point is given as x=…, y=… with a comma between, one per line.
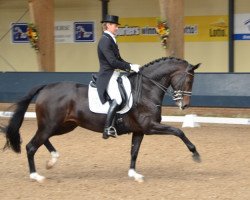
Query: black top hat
x=111, y=19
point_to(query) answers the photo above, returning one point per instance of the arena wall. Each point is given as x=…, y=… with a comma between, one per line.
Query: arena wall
x=209, y=89
x=83, y=57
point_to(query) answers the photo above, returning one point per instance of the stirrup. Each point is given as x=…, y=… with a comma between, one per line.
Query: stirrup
x=110, y=131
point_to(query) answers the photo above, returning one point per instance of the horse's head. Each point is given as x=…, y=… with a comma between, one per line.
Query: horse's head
x=182, y=82
x=168, y=71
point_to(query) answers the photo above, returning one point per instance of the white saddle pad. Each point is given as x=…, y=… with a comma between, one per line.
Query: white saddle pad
x=96, y=106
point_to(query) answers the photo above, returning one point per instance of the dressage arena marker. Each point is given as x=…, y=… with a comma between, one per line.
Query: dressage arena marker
x=191, y=120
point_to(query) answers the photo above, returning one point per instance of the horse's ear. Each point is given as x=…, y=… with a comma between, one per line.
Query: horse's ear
x=196, y=66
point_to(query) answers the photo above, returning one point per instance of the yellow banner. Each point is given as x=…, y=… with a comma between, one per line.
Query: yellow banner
x=206, y=28
x=138, y=30
x=197, y=29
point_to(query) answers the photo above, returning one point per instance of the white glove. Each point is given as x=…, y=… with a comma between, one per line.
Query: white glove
x=135, y=67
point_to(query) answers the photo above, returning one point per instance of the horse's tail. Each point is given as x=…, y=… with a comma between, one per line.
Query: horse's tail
x=13, y=138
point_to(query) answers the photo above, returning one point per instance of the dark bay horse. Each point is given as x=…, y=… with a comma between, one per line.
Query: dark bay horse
x=61, y=107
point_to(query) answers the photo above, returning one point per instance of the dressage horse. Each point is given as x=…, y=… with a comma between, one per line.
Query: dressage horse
x=61, y=107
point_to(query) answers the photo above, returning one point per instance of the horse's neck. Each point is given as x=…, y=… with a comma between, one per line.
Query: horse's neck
x=160, y=74
x=150, y=86
x=157, y=77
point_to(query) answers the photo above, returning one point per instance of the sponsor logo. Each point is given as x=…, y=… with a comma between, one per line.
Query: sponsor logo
x=84, y=31
x=19, y=33
x=218, y=29
x=191, y=29
x=136, y=30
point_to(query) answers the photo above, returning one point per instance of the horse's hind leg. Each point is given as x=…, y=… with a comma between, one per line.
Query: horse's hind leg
x=54, y=154
x=161, y=129
x=38, y=140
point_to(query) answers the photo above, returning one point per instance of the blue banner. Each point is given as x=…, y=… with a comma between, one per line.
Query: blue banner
x=84, y=32
x=19, y=34
x=241, y=36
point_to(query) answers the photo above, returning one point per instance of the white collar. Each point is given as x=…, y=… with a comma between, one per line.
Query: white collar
x=111, y=34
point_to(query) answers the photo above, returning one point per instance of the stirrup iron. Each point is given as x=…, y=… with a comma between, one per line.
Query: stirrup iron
x=111, y=131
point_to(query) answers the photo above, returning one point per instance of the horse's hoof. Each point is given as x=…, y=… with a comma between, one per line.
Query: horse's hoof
x=53, y=160
x=196, y=157
x=49, y=165
x=137, y=177
x=36, y=177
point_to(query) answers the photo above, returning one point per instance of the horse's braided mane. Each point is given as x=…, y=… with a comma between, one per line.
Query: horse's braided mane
x=174, y=59
x=164, y=58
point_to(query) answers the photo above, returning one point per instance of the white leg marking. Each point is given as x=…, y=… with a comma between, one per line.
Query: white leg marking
x=133, y=174
x=35, y=176
x=53, y=159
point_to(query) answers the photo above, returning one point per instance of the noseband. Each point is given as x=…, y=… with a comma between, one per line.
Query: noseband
x=177, y=94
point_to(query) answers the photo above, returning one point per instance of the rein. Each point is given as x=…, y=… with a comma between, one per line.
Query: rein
x=176, y=95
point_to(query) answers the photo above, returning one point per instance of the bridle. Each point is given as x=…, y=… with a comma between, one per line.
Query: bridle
x=179, y=94
x=176, y=95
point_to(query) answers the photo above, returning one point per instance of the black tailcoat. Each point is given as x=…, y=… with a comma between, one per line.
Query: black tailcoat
x=109, y=59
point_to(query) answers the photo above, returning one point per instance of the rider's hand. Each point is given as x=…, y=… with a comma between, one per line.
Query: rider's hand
x=135, y=67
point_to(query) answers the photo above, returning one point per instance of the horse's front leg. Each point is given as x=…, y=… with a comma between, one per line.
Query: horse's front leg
x=136, y=143
x=161, y=129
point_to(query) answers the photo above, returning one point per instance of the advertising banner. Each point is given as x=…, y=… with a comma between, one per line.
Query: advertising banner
x=70, y=32
x=65, y=32
x=197, y=29
x=206, y=28
x=84, y=32
x=140, y=29
x=242, y=27
x=18, y=34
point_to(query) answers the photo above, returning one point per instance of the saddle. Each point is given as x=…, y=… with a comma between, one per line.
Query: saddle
x=124, y=87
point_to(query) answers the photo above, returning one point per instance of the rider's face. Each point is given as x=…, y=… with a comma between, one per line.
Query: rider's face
x=113, y=28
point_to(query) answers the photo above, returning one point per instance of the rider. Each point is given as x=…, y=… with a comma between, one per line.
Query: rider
x=110, y=64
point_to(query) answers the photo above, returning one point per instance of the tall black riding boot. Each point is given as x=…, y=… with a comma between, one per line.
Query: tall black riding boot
x=109, y=130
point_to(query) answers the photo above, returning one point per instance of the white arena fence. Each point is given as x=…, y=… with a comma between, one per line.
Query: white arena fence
x=190, y=120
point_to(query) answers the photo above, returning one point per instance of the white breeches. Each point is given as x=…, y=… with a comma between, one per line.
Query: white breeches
x=113, y=90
